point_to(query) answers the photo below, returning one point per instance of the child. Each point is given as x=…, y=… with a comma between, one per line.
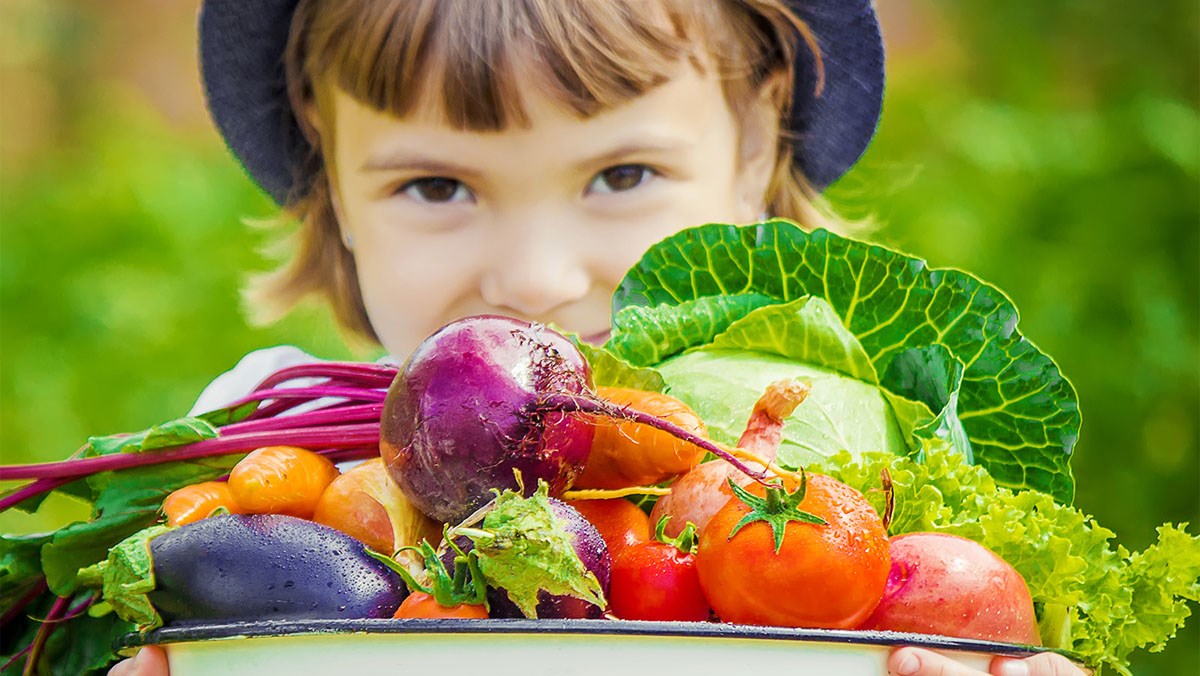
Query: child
x=448, y=158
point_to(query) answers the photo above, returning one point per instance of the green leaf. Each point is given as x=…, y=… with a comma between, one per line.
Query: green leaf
x=839, y=414
x=125, y=502
x=1019, y=413
x=645, y=336
x=610, y=370
x=126, y=578
x=167, y=435
x=932, y=376
x=85, y=645
x=1165, y=572
x=805, y=330
x=1109, y=602
x=19, y=568
x=525, y=549
x=229, y=415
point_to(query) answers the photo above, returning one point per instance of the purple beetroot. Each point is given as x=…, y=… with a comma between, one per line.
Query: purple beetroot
x=466, y=410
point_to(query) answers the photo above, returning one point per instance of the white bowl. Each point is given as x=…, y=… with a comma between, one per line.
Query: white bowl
x=540, y=647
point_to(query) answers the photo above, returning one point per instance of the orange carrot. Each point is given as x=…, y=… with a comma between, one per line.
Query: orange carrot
x=198, y=501
x=626, y=453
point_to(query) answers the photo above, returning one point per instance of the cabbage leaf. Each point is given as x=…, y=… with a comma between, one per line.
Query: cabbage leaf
x=940, y=347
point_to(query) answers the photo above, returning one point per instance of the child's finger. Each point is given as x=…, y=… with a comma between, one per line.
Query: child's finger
x=149, y=661
x=918, y=662
x=1045, y=664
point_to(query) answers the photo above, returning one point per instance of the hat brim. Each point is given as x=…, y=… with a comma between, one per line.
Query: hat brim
x=241, y=61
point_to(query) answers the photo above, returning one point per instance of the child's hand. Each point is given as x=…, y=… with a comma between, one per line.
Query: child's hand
x=150, y=661
x=918, y=662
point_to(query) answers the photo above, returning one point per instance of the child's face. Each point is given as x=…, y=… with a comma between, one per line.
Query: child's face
x=540, y=222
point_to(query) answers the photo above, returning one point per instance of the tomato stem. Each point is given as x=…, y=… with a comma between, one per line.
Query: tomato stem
x=774, y=499
x=685, y=542
x=777, y=509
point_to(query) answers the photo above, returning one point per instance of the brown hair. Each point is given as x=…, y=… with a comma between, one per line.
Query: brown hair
x=390, y=54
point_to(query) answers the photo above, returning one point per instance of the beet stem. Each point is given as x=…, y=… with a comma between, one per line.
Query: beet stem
x=333, y=416
x=368, y=375
x=61, y=604
x=31, y=490
x=314, y=392
x=16, y=656
x=338, y=436
x=23, y=602
x=582, y=404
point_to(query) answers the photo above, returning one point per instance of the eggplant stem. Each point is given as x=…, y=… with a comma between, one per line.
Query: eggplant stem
x=570, y=403
x=471, y=533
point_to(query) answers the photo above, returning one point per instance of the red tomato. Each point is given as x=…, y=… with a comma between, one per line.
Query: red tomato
x=828, y=575
x=656, y=581
x=619, y=521
x=422, y=605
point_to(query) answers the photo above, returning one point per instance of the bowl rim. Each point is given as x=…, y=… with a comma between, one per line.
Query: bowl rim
x=196, y=632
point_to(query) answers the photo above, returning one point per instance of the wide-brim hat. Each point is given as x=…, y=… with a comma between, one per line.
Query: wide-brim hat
x=242, y=44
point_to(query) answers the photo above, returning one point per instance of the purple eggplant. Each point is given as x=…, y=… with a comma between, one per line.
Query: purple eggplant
x=268, y=566
x=590, y=548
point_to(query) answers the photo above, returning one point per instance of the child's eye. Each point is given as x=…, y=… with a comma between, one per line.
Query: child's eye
x=436, y=190
x=620, y=178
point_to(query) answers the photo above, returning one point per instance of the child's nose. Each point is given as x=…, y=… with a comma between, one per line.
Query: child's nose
x=535, y=267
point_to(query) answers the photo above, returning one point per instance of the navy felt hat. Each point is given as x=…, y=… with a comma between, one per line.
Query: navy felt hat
x=241, y=59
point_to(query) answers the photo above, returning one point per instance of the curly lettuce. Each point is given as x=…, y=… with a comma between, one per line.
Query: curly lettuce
x=1093, y=597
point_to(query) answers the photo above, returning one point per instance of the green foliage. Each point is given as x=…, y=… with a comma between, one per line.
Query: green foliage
x=1052, y=148
x=610, y=370
x=1096, y=598
x=940, y=336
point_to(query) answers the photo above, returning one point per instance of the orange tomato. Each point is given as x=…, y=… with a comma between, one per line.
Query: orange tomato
x=422, y=605
x=198, y=501
x=626, y=453
x=827, y=576
x=619, y=521
x=281, y=480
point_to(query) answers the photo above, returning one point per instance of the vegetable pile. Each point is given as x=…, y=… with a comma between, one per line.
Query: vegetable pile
x=785, y=428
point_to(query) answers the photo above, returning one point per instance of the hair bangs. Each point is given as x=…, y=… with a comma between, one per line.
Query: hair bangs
x=468, y=58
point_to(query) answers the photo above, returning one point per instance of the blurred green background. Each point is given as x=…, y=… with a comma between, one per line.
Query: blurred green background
x=1050, y=146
